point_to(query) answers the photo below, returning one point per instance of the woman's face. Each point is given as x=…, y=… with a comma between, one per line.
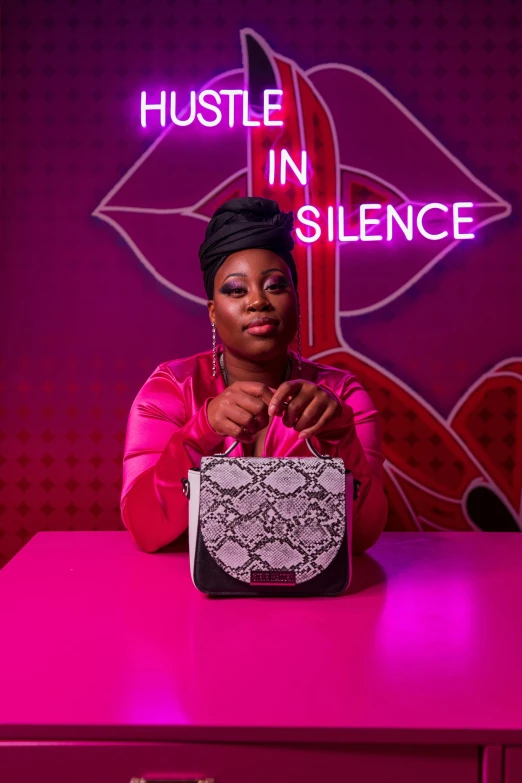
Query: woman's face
x=255, y=304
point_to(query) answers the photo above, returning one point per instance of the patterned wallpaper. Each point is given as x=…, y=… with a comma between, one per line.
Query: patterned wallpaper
x=82, y=323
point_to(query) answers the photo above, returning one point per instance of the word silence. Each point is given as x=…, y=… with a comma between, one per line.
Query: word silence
x=375, y=222
x=371, y=219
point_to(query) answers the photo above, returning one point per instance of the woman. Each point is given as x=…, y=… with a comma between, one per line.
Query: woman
x=254, y=390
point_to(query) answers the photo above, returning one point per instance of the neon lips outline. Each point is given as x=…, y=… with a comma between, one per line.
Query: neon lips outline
x=419, y=498
x=110, y=205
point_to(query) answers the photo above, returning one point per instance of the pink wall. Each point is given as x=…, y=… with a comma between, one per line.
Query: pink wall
x=83, y=322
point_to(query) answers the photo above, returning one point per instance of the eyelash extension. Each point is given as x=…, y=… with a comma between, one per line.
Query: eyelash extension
x=282, y=282
x=233, y=289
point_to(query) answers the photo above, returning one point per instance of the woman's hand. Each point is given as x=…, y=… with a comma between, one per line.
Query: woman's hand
x=240, y=411
x=305, y=407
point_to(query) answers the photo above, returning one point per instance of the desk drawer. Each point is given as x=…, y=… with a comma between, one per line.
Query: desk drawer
x=113, y=762
x=513, y=765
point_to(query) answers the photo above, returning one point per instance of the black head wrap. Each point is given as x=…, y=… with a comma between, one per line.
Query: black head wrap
x=241, y=224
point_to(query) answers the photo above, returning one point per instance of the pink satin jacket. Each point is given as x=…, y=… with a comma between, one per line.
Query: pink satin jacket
x=168, y=432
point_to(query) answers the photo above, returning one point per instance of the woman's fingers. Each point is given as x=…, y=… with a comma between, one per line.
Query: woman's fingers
x=254, y=406
x=297, y=407
x=253, y=389
x=244, y=418
x=318, y=426
x=244, y=408
x=238, y=432
x=250, y=397
x=304, y=406
x=310, y=415
x=287, y=390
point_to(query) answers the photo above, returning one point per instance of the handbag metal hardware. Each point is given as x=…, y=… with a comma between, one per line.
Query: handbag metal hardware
x=308, y=443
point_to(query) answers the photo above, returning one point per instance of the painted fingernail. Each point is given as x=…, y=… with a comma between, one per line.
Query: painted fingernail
x=271, y=410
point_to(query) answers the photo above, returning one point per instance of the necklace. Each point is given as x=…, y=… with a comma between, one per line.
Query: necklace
x=288, y=369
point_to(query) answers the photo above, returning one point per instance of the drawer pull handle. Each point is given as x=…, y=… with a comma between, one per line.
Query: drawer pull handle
x=173, y=780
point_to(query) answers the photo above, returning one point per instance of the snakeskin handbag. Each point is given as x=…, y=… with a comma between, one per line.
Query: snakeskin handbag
x=263, y=526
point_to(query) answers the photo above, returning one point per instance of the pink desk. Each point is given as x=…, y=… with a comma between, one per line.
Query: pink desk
x=113, y=667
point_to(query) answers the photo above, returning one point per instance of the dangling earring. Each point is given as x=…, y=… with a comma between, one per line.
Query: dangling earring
x=214, y=351
x=299, y=340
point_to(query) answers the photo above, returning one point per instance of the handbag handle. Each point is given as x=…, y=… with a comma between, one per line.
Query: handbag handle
x=308, y=443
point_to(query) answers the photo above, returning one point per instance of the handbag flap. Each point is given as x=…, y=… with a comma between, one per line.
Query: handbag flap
x=267, y=515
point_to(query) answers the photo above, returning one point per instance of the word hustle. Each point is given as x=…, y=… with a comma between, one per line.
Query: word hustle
x=209, y=108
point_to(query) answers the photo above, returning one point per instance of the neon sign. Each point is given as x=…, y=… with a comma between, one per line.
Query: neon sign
x=370, y=218
x=388, y=217
x=211, y=101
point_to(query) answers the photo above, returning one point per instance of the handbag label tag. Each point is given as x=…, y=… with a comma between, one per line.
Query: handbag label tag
x=272, y=578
